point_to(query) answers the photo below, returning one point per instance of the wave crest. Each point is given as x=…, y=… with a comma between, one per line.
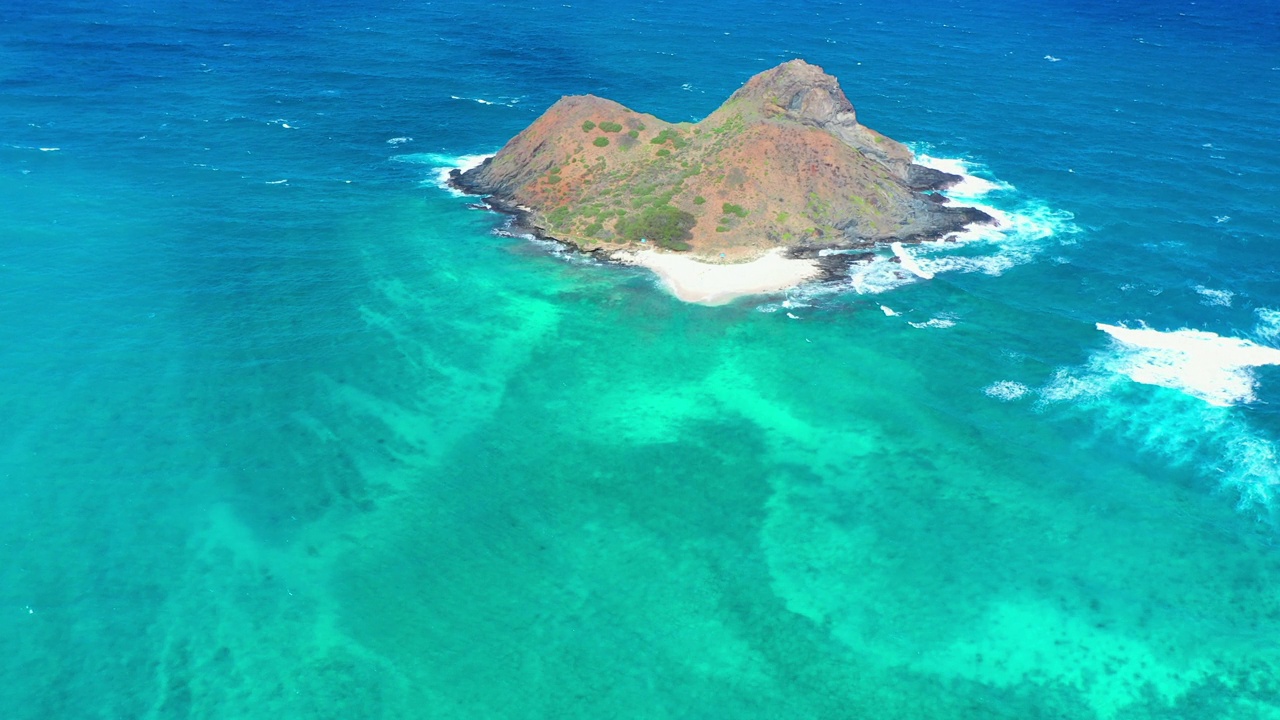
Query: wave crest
x=442, y=164
x=1202, y=364
x=1196, y=427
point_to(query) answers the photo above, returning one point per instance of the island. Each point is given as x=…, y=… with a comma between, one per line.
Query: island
x=780, y=185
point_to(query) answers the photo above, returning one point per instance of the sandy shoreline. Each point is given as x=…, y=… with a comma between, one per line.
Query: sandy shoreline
x=715, y=284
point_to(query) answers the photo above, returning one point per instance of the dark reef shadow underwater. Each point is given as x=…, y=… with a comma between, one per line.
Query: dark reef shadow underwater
x=287, y=431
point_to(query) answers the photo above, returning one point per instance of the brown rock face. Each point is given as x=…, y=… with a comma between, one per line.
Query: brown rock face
x=783, y=163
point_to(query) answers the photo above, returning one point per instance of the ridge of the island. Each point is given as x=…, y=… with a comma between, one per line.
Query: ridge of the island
x=745, y=201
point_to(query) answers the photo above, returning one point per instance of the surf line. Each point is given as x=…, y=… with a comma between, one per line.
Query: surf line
x=909, y=263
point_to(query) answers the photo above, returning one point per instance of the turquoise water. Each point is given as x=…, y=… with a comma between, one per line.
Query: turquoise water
x=334, y=447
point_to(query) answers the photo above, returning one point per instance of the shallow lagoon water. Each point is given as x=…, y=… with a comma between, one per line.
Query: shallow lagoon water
x=331, y=447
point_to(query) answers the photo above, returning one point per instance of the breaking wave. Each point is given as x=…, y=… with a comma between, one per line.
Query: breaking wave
x=1199, y=426
x=503, y=101
x=909, y=263
x=442, y=164
x=1024, y=228
x=971, y=186
x=1215, y=441
x=1216, y=369
x=938, y=322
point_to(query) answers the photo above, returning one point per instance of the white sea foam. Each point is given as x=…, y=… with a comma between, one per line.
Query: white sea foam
x=909, y=263
x=1194, y=428
x=986, y=249
x=506, y=102
x=888, y=311
x=995, y=249
x=971, y=186
x=938, y=322
x=399, y=140
x=1051, y=58
x=984, y=264
x=806, y=295
x=1220, y=298
x=1016, y=237
x=1006, y=390
x=1072, y=384
x=992, y=249
x=1214, y=440
x=879, y=275
x=1250, y=466
x=1202, y=364
x=1268, y=325
x=442, y=164
x=1033, y=221
x=277, y=182
x=49, y=149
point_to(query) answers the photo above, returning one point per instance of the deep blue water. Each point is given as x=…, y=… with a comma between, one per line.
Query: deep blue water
x=288, y=431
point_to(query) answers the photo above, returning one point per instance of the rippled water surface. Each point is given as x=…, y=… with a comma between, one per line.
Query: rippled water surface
x=288, y=431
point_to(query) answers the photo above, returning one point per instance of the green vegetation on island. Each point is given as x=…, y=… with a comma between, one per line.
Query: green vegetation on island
x=783, y=162
x=666, y=226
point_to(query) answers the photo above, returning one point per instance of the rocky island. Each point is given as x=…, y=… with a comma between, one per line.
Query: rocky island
x=744, y=201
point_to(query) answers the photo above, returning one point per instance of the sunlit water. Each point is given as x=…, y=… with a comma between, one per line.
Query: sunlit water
x=288, y=431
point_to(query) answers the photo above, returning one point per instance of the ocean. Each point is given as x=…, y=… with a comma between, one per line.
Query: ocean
x=289, y=431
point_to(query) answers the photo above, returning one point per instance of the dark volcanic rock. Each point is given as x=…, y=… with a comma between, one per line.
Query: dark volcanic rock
x=920, y=177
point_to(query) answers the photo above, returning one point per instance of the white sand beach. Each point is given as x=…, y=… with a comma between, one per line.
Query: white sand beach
x=716, y=284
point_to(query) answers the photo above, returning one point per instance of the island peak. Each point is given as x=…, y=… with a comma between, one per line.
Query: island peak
x=801, y=90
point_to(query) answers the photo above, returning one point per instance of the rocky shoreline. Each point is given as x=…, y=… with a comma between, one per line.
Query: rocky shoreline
x=833, y=260
x=782, y=169
x=833, y=265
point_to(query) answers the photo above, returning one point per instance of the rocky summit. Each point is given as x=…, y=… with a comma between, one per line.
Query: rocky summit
x=783, y=163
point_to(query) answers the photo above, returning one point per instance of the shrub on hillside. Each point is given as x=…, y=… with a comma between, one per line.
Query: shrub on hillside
x=669, y=135
x=664, y=225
